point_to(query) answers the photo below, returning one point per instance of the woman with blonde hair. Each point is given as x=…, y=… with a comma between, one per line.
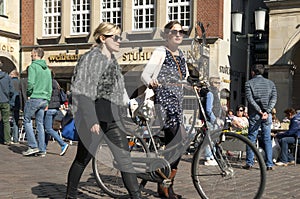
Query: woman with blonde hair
x=98, y=91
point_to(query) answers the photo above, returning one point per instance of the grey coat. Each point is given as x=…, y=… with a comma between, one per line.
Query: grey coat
x=261, y=94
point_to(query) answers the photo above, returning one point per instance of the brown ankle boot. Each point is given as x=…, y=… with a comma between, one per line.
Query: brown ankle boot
x=168, y=192
x=172, y=194
x=162, y=191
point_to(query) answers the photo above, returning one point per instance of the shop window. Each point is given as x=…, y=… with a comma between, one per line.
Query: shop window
x=80, y=17
x=143, y=14
x=52, y=18
x=111, y=11
x=180, y=10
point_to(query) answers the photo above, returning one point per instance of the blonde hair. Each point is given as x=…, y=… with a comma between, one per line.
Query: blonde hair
x=14, y=73
x=105, y=28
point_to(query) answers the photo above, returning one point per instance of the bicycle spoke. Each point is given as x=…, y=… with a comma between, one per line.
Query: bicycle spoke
x=229, y=180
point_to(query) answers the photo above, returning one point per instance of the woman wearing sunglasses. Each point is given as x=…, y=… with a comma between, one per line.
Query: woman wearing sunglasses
x=98, y=92
x=240, y=122
x=165, y=68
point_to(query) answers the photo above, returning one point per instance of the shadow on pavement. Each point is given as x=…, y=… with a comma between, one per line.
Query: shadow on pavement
x=54, y=191
x=86, y=190
x=17, y=148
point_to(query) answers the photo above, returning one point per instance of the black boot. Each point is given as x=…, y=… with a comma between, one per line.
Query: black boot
x=131, y=184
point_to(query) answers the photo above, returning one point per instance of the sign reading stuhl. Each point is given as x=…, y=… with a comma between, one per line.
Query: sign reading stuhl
x=135, y=57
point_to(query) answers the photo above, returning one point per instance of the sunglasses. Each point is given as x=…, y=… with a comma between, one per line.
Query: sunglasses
x=175, y=32
x=114, y=37
x=241, y=110
x=217, y=82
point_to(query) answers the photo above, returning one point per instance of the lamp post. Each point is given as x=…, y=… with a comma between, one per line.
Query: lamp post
x=237, y=19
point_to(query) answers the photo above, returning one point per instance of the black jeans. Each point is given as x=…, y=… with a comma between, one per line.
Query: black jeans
x=119, y=146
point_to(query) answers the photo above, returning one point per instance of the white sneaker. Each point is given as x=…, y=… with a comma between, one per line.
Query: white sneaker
x=30, y=151
x=281, y=164
x=211, y=163
x=41, y=154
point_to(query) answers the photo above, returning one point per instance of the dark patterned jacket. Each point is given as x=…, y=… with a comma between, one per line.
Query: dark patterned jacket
x=89, y=83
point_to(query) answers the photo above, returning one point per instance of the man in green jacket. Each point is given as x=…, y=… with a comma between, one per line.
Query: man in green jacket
x=39, y=90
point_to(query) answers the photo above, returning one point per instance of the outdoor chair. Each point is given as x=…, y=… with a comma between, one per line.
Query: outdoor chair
x=294, y=149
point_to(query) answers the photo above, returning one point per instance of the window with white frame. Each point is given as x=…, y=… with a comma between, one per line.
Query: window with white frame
x=80, y=17
x=180, y=10
x=143, y=14
x=111, y=11
x=52, y=18
x=3, y=7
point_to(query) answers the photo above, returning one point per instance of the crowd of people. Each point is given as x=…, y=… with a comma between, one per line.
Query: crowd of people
x=38, y=99
x=261, y=95
x=98, y=94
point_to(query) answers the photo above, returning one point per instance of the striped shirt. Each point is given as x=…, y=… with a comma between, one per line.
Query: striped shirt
x=261, y=94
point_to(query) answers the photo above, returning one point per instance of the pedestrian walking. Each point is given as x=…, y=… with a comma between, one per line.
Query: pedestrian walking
x=98, y=92
x=15, y=105
x=39, y=90
x=165, y=68
x=50, y=113
x=6, y=92
x=212, y=107
x=261, y=95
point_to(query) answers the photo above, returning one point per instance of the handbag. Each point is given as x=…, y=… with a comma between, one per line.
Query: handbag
x=143, y=105
x=63, y=96
x=69, y=131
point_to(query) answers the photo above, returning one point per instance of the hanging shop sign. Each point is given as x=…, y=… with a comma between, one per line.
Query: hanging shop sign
x=64, y=57
x=136, y=57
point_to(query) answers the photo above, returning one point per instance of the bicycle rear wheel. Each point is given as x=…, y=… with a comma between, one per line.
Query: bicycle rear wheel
x=108, y=177
x=228, y=179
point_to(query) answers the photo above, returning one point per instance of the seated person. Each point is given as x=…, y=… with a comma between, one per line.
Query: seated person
x=275, y=120
x=228, y=119
x=240, y=122
x=288, y=137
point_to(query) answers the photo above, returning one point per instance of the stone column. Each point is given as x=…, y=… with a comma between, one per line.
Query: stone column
x=283, y=79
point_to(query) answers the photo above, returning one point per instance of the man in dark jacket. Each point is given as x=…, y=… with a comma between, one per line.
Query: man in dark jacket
x=51, y=113
x=261, y=95
x=15, y=105
x=288, y=137
x=6, y=92
x=39, y=90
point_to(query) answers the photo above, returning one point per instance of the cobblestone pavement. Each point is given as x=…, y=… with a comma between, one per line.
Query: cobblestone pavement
x=37, y=177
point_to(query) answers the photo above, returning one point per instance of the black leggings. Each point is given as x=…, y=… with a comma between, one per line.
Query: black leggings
x=119, y=146
x=170, y=134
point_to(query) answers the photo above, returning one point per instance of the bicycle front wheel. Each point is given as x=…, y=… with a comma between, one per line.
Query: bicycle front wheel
x=108, y=177
x=228, y=179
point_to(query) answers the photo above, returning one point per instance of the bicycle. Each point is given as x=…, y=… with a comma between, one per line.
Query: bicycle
x=209, y=181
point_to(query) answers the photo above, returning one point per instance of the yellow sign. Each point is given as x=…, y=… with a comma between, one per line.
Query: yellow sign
x=64, y=57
